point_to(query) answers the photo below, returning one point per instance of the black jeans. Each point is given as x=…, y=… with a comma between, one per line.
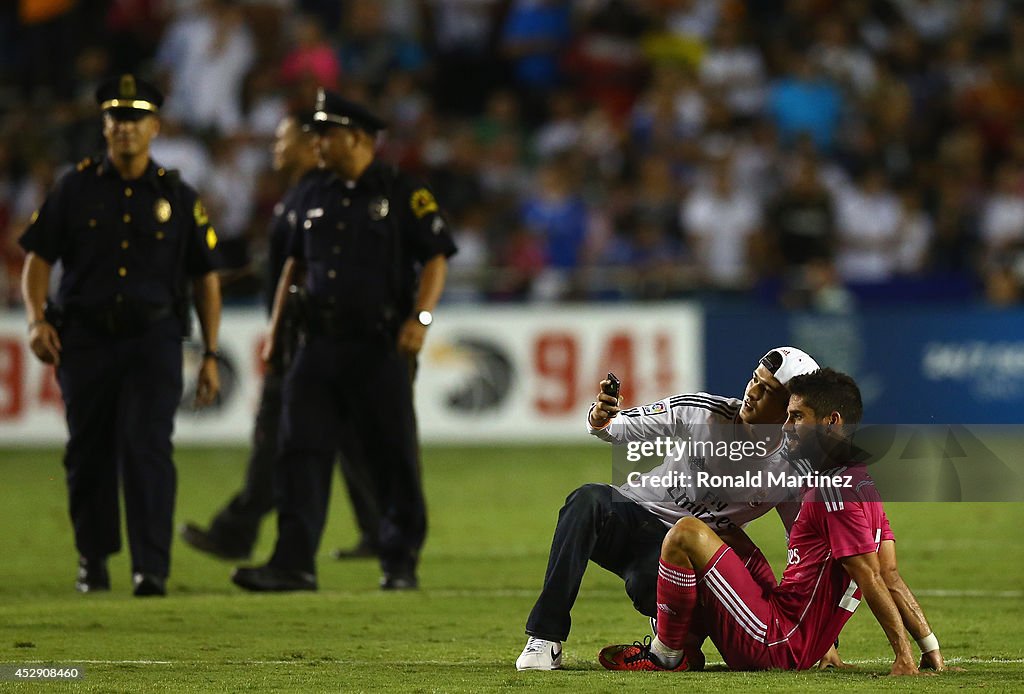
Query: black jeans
x=599, y=524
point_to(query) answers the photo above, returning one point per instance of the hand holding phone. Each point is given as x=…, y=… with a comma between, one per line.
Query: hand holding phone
x=607, y=405
x=612, y=386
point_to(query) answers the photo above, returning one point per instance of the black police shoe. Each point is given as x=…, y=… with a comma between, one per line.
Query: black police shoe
x=364, y=549
x=92, y=575
x=149, y=585
x=203, y=540
x=399, y=581
x=271, y=579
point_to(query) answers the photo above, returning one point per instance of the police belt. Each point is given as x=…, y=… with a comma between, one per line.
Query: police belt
x=120, y=319
x=331, y=321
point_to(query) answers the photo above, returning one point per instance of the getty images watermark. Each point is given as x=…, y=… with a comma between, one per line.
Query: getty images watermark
x=907, y=462
x=678, y=450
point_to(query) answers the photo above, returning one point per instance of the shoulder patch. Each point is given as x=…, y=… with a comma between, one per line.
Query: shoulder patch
x=654, y=408
x=199, y=212
x=422, y=203
x=211, y=238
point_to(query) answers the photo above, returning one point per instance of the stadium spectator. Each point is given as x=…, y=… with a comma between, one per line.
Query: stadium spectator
x=804, y=101
x=206, y=55
x=557, y=214
x=801, y=221
x=312, y=58
x=371, y=51
x=722, y=223
x=736, y=69
x=868, y=218
x=1002, y=214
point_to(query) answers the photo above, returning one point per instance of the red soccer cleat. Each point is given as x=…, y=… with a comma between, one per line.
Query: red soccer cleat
x=635, y=657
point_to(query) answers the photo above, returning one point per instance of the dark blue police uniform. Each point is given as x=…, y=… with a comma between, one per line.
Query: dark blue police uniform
x=233, y=531
x=127, y=248
x=361, y=244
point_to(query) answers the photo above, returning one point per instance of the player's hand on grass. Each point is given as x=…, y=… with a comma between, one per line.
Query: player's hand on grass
x=932, y=660
x=605, y=407
x=904, y=666
x=832, y=660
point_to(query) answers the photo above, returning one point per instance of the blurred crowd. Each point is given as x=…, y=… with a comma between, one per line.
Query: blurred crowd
x=822, y=154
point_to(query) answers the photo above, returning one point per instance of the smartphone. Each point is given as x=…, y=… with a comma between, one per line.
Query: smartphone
x=612, y=388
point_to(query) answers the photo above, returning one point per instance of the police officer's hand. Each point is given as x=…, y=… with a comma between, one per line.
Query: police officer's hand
x=605, y=407
x=44, y=342
x=208, y=384
x=410, y=337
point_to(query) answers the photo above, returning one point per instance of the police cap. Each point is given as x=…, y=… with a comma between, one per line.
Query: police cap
x=334, y=110
x=126, y=97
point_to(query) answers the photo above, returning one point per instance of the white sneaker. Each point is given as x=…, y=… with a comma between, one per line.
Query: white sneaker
x=540, y=654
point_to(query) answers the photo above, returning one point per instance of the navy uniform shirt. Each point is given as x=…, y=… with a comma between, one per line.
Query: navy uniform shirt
x=364, y=242
x=119, y=240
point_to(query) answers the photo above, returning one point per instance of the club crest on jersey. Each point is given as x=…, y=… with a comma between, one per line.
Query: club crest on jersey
x=656, y=408
x=758, y=498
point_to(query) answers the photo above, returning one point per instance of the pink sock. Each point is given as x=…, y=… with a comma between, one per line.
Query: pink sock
x=677, y=597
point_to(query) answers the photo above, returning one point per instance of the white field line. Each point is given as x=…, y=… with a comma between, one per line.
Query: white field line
x=319, y=663
x=524, y=593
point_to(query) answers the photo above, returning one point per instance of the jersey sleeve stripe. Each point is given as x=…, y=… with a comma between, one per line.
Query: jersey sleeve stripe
x=700, y=399
x=711, y=408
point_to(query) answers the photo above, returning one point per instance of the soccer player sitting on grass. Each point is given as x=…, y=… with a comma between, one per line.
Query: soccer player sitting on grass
x=832, y=562
x=621, y=528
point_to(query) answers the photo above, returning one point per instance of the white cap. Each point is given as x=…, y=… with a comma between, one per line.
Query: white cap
x=786, y=362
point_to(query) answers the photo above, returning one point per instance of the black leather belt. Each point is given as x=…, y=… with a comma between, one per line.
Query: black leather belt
x=119, y=319
x=338, y=323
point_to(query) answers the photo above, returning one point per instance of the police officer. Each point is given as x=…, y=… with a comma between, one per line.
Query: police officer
x=372, y=248
x=133, y=240
x=234, y=529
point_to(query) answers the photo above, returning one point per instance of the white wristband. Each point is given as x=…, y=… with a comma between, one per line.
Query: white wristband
x=928, y=643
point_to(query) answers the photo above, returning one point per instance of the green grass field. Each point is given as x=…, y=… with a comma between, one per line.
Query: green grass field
x=492, y=510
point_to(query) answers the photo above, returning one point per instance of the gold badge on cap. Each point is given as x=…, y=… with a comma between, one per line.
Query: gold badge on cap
x=422, y=203
x=127, y=88
x=162, y=210
x=379, y=208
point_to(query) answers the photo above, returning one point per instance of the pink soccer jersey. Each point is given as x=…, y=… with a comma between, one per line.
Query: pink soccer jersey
x=816, y=596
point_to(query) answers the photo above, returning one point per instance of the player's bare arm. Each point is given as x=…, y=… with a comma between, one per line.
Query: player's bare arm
x=605, y=407
x=910, y=610
x=865, y=570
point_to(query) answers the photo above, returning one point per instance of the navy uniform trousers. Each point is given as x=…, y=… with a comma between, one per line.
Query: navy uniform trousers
x=599, y=524
x=338, y=388
x=120, y=395
x=237, y=525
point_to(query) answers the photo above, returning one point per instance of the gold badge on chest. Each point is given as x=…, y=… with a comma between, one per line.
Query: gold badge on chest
x=379, y=208
x=162, y=210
